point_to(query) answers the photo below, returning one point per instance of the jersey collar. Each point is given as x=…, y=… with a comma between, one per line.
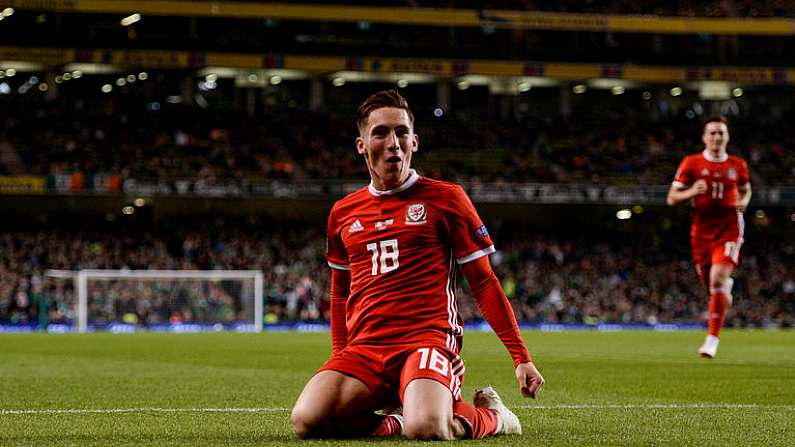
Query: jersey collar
x=413, y=177
x=709, y=157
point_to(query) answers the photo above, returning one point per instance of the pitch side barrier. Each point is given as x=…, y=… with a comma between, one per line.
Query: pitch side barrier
x=123, y=328
x=546, y=193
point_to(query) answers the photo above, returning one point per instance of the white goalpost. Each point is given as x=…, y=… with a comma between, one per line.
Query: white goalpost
x=82, y=277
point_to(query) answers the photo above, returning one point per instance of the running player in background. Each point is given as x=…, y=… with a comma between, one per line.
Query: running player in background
x=719, y=190
x=395, y=249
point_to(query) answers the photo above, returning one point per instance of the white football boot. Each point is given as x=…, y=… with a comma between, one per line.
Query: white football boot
x=709, y=348
x=507, y=422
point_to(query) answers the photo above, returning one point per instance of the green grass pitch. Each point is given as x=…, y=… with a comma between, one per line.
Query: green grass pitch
x=622, y=388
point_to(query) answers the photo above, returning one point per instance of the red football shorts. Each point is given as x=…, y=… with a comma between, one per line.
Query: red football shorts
x=717, y=243
x=387, y=370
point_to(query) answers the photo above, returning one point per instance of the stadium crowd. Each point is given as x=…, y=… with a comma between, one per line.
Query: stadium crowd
x=615, y=144
x=549, y=278
x=686, y=8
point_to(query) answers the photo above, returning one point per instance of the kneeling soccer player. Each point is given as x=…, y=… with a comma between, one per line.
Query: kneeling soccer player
x=395, y=248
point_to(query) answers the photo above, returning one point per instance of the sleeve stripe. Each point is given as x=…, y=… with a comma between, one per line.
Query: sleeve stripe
x=338, y=266
x=678, y=185
x=478, y=254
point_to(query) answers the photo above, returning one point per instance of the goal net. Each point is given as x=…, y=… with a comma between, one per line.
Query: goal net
x=176, y=300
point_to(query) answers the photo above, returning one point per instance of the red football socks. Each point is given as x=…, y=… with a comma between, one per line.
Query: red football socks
x=718, y=306
x=390, y=426
x=480, y=422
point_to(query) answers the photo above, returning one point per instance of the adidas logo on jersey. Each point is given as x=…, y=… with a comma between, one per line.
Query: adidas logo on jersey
x=356, y=226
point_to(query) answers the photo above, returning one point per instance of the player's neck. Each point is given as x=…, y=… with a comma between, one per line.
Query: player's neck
x=399, y=186
x=388, y=183
x=719, y=154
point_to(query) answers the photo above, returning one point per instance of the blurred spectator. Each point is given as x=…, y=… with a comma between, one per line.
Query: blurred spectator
x=553, y=279
x=624, y=141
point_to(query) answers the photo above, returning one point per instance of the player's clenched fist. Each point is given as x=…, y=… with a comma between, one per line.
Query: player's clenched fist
x=699, y=187
x=530, y=380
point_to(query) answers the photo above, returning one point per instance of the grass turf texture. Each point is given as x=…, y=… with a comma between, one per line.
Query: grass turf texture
x=623, y=388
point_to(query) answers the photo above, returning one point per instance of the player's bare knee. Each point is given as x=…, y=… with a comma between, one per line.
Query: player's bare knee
x=303, y=424
x=718, y=283
x=427, y=428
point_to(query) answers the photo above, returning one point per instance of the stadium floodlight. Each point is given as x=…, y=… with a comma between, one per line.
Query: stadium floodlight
x=90, y=68
x=713, y=90
x=623, y=214
x=163, y=277
x=20, y=66
x=130, y=19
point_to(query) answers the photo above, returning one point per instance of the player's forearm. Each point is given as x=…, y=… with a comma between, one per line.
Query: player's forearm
x=496, y=309
x=745, y=197
x=677, y=196
x=339, y=330
x=340, y=287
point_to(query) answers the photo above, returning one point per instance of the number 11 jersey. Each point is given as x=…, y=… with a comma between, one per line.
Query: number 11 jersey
x=724, y=176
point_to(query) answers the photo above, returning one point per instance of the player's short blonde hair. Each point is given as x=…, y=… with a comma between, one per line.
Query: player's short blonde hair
x=385, y=98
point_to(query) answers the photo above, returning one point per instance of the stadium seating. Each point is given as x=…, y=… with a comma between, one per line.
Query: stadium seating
x=122, y=137
x=550, y=277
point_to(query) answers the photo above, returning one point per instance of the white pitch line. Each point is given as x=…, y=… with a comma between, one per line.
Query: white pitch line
x=143, y=410
x=653, y=406
x=10, y=412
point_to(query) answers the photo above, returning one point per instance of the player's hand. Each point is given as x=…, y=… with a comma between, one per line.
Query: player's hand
x=530, y=381
x=699, y=187
x=741, y=207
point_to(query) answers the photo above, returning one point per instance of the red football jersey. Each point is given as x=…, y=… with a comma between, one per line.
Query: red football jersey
x=724, y=176
x=403, y=248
